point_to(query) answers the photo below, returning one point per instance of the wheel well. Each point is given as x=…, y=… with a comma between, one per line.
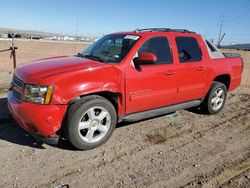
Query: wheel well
x=112, y=97
x=225, y=79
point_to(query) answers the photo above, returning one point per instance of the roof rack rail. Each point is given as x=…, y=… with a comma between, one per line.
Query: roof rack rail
x=164, y=30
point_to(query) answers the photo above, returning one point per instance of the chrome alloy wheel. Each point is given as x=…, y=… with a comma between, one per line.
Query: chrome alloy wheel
x=94, y=124
x=218, y=99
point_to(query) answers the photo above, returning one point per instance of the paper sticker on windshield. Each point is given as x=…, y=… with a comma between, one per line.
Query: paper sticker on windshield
x=116, y=56
x=131, y=37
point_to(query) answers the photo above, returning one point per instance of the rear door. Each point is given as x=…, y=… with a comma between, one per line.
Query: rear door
x=153, y=85
x=192, y=69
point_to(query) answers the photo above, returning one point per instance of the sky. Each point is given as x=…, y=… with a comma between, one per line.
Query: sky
x=98, y=17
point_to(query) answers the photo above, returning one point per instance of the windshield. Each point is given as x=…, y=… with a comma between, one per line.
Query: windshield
x=110, y=48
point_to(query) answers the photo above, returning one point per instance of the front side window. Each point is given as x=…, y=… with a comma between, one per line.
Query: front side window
x=188, y=49
x=110, y=49
x=160, y=47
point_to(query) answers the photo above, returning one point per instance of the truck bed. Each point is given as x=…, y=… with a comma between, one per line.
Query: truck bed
x=231, y=55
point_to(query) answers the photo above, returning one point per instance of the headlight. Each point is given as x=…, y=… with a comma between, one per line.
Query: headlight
x=38, y=94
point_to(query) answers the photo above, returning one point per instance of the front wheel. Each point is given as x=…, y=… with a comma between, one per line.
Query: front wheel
x=90, y=122
x=215, y=99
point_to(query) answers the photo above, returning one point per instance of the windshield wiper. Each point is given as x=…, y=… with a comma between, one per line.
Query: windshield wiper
x=92, y=57
x=79, y=55
x=97, y=58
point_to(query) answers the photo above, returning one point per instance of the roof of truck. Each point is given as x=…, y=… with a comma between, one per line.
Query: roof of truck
x=141, y=32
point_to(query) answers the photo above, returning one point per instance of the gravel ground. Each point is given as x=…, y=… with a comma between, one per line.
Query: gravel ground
x=184, y=149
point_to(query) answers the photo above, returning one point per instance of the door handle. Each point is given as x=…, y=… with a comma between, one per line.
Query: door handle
x=169, y=72
x=200, y=68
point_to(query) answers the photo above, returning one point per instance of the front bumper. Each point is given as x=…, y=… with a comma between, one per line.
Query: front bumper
x=42, y=120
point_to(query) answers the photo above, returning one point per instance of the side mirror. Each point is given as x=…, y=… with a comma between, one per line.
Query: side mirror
x=145, y=58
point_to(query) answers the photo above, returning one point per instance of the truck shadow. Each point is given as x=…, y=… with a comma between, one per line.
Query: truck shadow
x=12, y=133
x=197, y=111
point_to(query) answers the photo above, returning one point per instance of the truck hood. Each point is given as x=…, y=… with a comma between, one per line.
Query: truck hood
x=35, y=71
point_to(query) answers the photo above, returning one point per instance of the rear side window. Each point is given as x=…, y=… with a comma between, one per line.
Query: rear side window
x=188, y=49
x=160, y=47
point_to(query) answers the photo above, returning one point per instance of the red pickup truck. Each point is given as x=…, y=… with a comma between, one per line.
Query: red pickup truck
x=125, y=76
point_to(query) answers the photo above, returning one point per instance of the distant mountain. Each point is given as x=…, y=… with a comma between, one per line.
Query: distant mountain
x=238, y=46
x=27, y=32
x=31, y=34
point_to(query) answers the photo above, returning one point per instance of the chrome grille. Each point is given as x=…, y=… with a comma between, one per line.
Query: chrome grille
x=17, y=87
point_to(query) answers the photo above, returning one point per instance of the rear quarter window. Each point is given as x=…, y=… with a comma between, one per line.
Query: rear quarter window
x=188, y=49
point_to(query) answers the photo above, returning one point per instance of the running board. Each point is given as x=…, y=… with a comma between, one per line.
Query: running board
x=159, y=111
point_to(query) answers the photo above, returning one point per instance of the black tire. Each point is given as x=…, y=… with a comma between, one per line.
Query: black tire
x=78, y=110
x=207, y=105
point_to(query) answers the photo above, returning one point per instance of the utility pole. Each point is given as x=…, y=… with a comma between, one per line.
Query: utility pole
x=221, y=26
x=76, y=38
x=76, y=29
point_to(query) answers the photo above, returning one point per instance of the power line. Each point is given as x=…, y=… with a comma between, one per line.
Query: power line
x=239, y=17
x=232, y=15
x=76, y=28
x=235, y=10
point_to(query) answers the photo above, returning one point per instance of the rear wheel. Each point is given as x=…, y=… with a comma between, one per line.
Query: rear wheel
x=90, y=122
x=215, y=99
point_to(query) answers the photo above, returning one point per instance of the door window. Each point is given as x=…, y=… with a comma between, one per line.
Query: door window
x=160, y=47
x=188, y=49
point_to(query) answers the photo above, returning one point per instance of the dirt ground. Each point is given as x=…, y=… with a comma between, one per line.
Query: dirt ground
x=184, y=149
x=31, y=50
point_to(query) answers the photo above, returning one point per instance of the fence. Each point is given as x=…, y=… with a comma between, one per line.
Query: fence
x=12, y=50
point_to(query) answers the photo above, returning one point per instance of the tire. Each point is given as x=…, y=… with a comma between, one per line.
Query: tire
x=90, y=122
x=215, y=99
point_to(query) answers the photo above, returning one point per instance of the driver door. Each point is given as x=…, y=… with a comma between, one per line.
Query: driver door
x=152, y=85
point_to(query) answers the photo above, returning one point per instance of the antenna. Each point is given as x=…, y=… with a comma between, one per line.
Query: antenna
x=221, y=26
x=221, y=40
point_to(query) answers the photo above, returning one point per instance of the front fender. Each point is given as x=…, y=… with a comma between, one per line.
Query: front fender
x=83, y=82
x=89, y=88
